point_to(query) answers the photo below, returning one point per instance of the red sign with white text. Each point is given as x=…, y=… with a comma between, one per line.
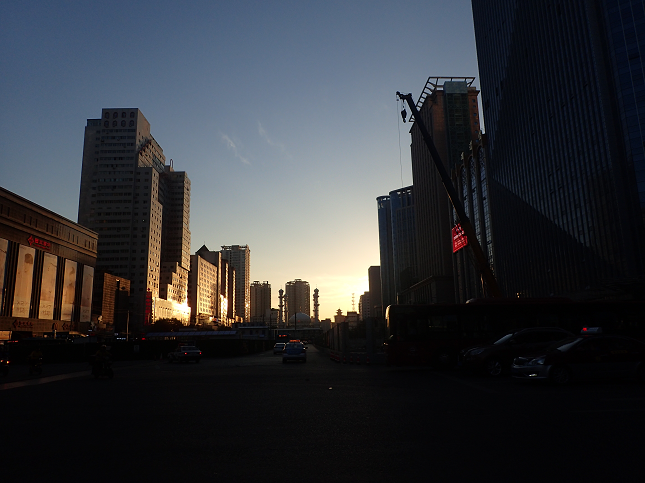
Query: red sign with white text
x=459, y=239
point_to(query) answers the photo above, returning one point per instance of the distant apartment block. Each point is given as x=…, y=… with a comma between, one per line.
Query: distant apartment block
x=260, y=301
x=298, y=297
x=208, y=288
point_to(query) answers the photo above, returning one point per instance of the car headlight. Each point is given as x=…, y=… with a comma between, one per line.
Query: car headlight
x=476, y=352
x=537, y=361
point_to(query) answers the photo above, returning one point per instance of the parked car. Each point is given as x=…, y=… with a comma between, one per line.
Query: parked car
x=294, y=351
x=185, y=353
x=277, y=348
x=495, y=359
x=583, y=358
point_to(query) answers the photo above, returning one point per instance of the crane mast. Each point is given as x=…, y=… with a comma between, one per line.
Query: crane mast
x=488, y=278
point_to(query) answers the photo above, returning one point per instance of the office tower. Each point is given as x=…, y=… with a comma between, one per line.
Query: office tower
x=374, y=281
x=260, y=301
x=564, y=102
x=397, y=244
x=46, y=270
x=448, y=107
x=140, y=208
x=239, y=258
x=298, y=295
x=386, y=252
x=404, y=247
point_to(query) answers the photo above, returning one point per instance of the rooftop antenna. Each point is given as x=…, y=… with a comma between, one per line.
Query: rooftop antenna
x=353, y=303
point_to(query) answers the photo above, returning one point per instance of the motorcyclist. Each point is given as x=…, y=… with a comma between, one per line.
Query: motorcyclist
x=35, y=360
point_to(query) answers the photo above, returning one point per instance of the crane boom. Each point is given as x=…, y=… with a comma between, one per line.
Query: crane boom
x=490, y=283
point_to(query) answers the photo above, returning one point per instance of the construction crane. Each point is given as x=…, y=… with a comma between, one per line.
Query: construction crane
x=488, y=278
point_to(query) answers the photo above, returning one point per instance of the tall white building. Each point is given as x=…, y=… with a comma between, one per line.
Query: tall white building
x=239, y=258
x=140, y=207
x=208, y=288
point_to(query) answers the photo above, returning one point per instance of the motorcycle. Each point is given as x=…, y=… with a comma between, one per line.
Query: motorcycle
x=36, y=366
x=102, y=368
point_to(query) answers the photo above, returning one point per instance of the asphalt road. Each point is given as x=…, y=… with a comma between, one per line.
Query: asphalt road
x=253, y=419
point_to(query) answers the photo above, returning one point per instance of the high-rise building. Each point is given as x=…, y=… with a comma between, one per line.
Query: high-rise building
x=260, y=301
x=374, y=280
x=398, y=251
x=365, y=306
x=140, y=207
x=448, y=107
x=386, y=252
x=563, y=93
x=298, y=297
x=239, y=258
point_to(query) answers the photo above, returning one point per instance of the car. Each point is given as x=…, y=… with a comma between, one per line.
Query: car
x=495, y=359
x=277, y=348
x=185, y=353
x=294, y=351
x=597, y=356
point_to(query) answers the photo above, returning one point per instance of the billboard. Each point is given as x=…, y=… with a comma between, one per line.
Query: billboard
x=48, y=288
x=24, y=279
x=69, y=290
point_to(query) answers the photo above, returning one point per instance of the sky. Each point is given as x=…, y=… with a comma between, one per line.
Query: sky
x=283, y=114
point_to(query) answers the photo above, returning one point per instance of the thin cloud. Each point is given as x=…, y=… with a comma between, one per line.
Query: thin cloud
x=264, y=135
x=232, y=147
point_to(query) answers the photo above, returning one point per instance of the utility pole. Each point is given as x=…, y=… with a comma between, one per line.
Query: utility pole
x=488, y=278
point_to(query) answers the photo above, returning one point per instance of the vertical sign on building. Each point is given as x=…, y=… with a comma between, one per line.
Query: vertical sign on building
x=86, y=295
x=48, y=288
x=4, y=244
x=459, y=238
x=24, y=279
x=69, y=290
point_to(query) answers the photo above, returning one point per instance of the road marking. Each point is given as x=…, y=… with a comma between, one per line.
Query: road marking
x=42, y=380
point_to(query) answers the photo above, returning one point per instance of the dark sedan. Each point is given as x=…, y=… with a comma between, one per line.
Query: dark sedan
x=582, y=358
x=496, y=358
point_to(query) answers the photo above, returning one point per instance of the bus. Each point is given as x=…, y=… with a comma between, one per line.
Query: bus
x=436, y=334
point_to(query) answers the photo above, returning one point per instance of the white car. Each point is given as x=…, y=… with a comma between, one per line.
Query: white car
x=185, y=353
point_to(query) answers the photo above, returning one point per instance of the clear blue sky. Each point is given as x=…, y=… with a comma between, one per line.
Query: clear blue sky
x=283, y=114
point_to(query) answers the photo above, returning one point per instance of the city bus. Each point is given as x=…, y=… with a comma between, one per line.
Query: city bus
x=436, y=334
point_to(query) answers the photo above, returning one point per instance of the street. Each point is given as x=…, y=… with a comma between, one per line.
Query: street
x=253, y=418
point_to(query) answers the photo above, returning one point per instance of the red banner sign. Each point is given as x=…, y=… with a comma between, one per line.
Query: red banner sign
x=39, y=243
x=459, y=239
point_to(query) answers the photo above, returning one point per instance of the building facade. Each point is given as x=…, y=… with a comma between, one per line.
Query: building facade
x=47, y=266
x=239, y=258
x=140, y=208
x=566, y=167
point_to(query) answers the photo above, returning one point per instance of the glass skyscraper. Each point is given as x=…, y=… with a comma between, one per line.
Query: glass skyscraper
x=563, y=96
